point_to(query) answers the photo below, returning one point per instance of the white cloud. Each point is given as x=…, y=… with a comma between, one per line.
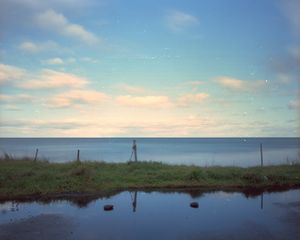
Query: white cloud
x=35, y=47
x=45, y=79
x=188, y=99
x=57, y=22
x=53, y=61
x=76, y=97
x=20, y=98
x=9, y=72
x=294, y=104
x=89, y=60
x=178, y=21
x=130, y=89
x=60, y=127
x=38, y=4
x=144, y=101
x=240, y=85
x=194, y=83
x=29, y=46
x=284, y=78
x=53, y=79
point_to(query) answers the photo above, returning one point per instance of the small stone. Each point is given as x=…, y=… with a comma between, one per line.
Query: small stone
x=108, y=207
x=194, y=205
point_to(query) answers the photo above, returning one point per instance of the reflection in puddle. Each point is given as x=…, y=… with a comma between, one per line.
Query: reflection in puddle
x=134, y=200
x=157, y=215
x=9, y=206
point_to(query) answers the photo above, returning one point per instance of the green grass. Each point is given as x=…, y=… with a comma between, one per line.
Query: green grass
x=20, y=177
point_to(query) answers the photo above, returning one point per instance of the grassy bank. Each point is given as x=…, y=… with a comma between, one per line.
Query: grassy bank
x=24, y=177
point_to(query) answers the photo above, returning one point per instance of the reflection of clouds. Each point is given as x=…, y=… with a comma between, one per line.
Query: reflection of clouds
x=291, y=216
x=227, y=195
x=288, y=196
x=4, y=207
x=292, y=206
x=50, y=226
x=9, y=206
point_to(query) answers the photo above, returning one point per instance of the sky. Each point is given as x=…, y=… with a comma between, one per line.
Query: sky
x=159, y=68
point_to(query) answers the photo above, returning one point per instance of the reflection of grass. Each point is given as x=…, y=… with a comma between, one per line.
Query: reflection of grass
x=25, y=176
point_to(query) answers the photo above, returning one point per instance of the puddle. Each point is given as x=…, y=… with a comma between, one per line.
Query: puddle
x=157, y=215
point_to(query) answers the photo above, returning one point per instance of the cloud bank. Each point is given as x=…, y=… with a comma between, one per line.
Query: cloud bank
x=57, y=22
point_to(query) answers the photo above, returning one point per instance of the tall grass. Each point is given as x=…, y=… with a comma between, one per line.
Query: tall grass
x=25, y=176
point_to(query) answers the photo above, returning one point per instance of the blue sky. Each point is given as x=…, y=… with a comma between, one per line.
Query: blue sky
x=209, y=68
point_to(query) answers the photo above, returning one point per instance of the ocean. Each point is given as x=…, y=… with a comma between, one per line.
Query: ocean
x=241, y=152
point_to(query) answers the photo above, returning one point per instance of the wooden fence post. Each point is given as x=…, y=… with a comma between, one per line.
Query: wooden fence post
x=261, y=156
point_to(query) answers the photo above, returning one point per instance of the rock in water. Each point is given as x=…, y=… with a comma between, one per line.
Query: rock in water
x=194, y=205
x=108, y=207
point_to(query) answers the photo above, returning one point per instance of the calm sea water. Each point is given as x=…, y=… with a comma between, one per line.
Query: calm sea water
x=197, y=151
x=157, y=215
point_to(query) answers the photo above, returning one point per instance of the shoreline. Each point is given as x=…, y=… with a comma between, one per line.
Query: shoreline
x=91, y=196
x=29, y=179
